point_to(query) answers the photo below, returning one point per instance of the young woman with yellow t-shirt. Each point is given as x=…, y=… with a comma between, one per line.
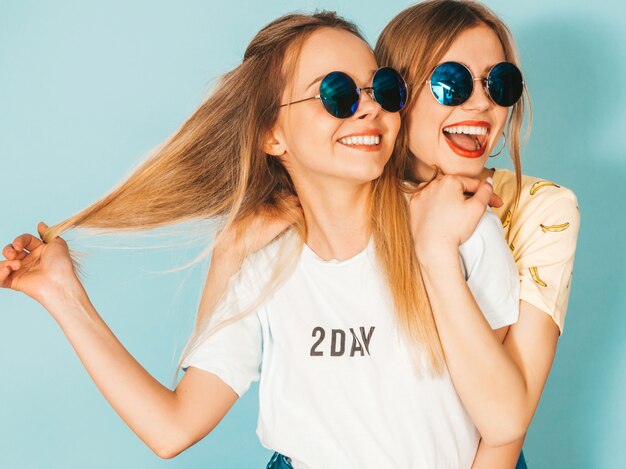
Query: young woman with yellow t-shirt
x=460, y=61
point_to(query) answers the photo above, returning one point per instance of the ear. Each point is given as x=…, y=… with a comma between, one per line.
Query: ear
x=273, y=144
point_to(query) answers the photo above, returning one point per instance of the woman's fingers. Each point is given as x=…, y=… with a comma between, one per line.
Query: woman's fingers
x=6, y=269
x=41, y=227
x=26, y=241
x=10, y=265
x=468, y=184
x=16, y=251
x=495, y=200
x=448, y=209
x=21, y=246
x=10, y=253
x=482, y=191
x=481, y=196
x=472, y=185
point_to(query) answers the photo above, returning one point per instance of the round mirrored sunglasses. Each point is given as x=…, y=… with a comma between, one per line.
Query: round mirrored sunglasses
x=340, y=96
x=452, y=83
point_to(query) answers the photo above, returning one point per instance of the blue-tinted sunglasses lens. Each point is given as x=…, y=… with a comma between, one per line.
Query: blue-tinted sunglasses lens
x=389, y=89
x=451, y=84
x=339, y=95
x=505, y=84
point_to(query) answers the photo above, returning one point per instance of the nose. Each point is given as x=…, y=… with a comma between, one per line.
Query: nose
x=367, y=104
x=479, y=100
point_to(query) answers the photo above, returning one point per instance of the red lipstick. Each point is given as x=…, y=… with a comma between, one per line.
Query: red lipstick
x=481, y=139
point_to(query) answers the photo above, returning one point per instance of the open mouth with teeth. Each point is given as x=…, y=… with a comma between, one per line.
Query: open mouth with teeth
x=468, y=141
x=363, y=142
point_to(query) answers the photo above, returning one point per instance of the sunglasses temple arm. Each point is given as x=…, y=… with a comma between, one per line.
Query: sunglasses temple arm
x=317, y=96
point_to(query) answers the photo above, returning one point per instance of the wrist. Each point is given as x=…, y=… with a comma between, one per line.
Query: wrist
x=437, y=254
x=441, y=271
x=63, y=298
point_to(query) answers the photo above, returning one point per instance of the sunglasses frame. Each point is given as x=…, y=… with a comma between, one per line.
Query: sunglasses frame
x=368, y=89
x=485, y=81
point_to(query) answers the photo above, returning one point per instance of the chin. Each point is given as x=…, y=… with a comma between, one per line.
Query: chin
x=470, y=167
x=366, y=174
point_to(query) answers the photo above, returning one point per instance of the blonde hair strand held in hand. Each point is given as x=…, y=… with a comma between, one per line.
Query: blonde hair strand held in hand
x=214, y=166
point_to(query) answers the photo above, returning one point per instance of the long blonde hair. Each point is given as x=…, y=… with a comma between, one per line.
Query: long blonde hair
x=417, y=38
x=214, y=166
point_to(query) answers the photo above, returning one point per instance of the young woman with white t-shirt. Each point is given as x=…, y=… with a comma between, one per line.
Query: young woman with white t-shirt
x=333, y=315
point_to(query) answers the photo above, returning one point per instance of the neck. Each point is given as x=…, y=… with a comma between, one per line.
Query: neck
x=337, y=219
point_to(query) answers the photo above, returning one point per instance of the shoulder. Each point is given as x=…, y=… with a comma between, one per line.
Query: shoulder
x=543, y=229
x=550, y=206
x=265, y=257
x=542, y=233
x=543, y=192
x=533, y=189
x=538, y=198
x=260, y=268
x=488, y=228
x=491, y=273
x=489, y=222
x=486, y=240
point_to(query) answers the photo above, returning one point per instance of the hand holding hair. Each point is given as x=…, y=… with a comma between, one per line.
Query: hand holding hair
x=167, y=421
x=40, y=270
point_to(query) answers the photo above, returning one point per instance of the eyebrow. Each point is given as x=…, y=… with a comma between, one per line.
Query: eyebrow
x=315, y=81
x=485, y=70
x=489, y=67
x=321, y=77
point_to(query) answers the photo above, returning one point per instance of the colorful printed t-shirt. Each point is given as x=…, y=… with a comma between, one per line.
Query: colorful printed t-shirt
x=542, y=235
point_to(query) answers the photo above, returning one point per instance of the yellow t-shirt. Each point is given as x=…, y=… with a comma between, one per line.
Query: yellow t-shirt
x=542, y=235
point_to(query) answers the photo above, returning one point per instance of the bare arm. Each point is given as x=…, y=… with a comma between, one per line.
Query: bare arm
x=536, y=356
x=506, y=456
x=488, y=380
x=167, y=421
x=499, y=387
x=502, y=457
x=515, y=373
x=499, y=384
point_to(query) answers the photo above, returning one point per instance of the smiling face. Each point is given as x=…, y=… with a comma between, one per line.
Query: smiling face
x=317, y=148
x=459, y=139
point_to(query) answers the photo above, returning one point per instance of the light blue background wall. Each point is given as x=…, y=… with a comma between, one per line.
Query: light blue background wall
x=88, y=88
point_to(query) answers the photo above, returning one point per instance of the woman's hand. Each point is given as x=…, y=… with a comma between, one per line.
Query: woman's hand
x=441, y=215
x=41, y=271
x=441, y=220
x=248, y=235
x=241, y=239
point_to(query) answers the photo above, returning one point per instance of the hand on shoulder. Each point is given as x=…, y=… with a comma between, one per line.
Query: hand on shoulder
x=251, y=233
x=442, y=217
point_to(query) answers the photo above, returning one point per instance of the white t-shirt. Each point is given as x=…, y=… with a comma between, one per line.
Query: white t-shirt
x=491, y=273
x=338, y=387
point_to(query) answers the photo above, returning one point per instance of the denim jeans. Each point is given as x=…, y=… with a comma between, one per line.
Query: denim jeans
x=278, y=461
